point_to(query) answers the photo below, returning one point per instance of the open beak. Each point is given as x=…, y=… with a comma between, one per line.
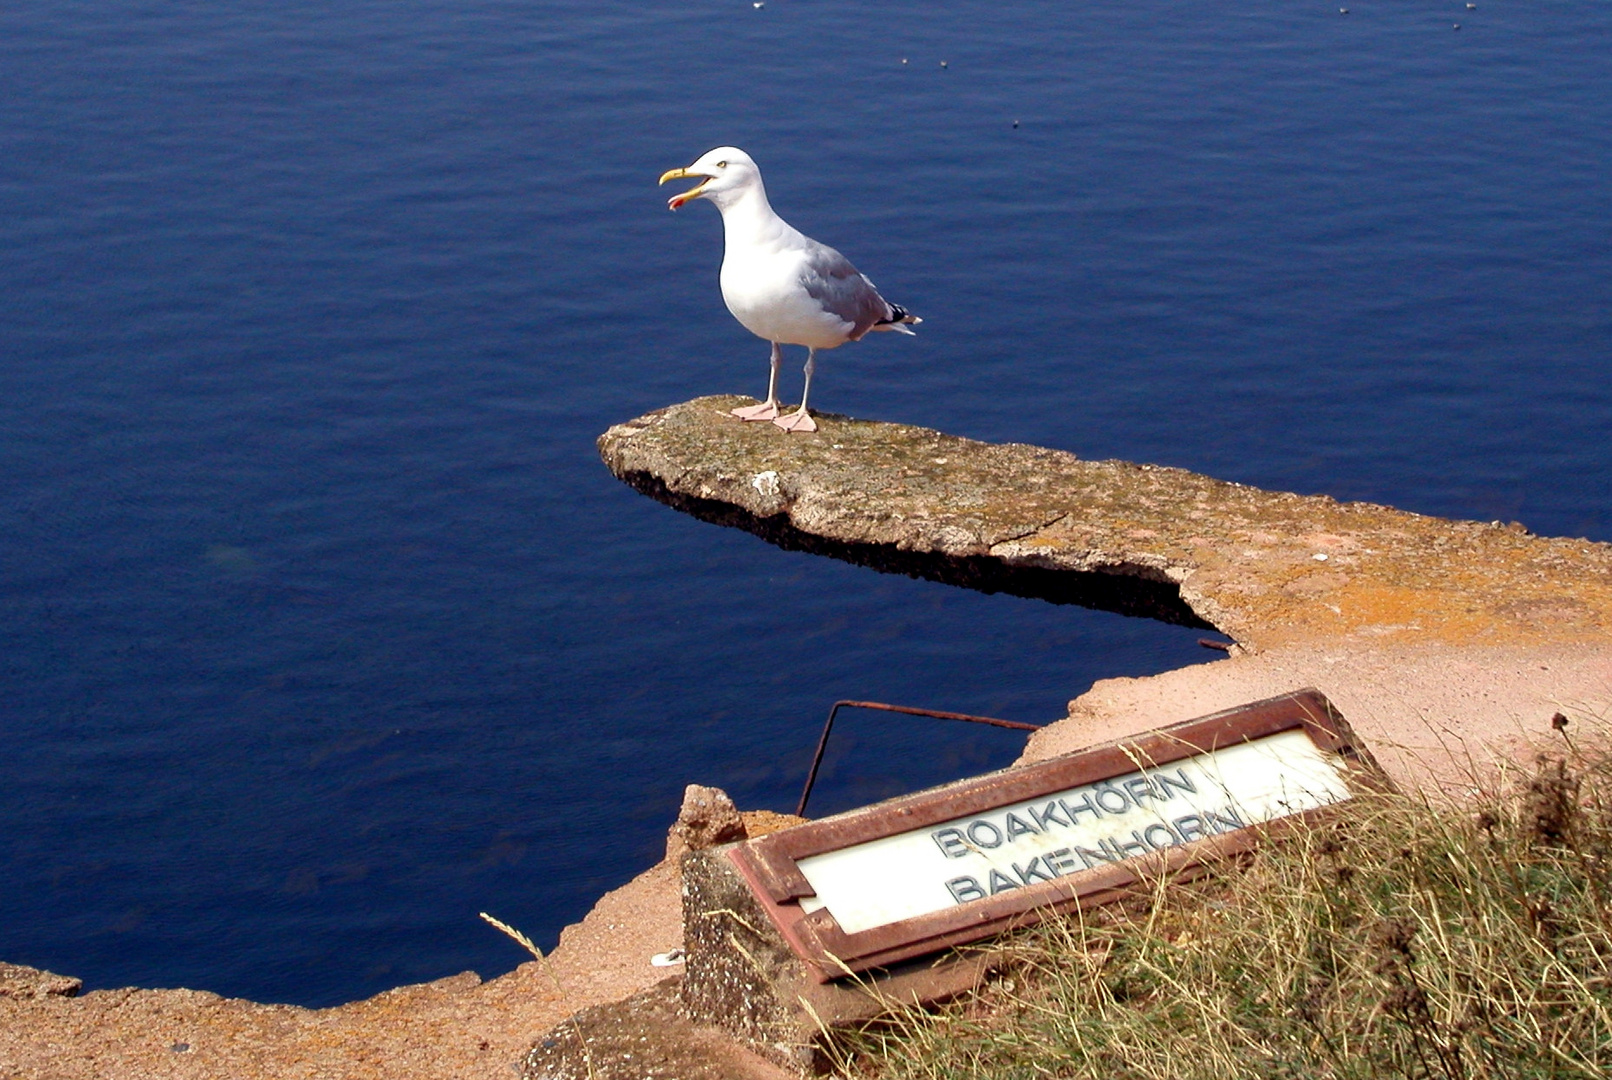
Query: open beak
x=693, y=193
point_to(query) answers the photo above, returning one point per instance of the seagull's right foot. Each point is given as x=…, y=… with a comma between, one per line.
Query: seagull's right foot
x=767, y=410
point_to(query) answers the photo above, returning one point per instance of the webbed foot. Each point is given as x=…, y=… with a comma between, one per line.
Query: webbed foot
x=799, y=420
x=767, y=410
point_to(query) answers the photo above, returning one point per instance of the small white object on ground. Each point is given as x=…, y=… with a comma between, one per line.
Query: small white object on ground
x=780, y=284
x=669, y=958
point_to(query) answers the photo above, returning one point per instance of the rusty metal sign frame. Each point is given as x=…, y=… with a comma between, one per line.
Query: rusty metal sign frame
x=769, y=863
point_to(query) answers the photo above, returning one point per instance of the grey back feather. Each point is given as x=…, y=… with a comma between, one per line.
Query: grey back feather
x=831, y=280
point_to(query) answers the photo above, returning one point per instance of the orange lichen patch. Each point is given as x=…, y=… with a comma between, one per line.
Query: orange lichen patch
x=761, y=822
x=1330, y=543
x=1367, y=609
x=1484, y=597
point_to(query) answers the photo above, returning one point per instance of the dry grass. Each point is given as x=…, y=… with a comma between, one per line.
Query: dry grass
x=1405, y=939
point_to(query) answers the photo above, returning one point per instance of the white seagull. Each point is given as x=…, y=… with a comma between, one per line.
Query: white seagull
x=779, y=284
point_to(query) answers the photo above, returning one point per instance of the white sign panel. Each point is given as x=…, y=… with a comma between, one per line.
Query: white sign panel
x=954, y=862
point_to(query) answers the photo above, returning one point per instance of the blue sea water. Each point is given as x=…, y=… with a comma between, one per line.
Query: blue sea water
x=321, y=626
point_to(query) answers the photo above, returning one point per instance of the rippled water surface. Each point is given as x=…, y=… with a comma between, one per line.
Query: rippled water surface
x=324, y=628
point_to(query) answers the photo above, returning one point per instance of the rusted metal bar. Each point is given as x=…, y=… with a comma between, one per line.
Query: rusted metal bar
x=939, y=714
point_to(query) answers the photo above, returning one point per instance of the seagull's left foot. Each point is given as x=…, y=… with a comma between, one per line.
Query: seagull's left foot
x=797, y=421
x=767, y=410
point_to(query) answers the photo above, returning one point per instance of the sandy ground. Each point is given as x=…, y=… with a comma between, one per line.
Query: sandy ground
x=459, y=1027
x=1436, y=717
x=451, y=1029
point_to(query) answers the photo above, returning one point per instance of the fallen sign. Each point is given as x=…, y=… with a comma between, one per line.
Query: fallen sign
x=955, y=864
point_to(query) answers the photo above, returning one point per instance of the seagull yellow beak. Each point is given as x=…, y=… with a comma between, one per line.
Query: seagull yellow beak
x=693, y=193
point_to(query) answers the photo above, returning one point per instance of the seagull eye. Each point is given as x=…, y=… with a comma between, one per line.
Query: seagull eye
x=721, y=164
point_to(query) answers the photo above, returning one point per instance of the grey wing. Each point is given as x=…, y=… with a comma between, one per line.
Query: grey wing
x=831, y=280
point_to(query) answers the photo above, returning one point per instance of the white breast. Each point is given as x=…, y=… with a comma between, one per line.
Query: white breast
x=762, y=269
x=766, y=296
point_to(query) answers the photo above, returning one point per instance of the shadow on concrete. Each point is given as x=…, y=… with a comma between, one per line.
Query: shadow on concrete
x=1125, y=594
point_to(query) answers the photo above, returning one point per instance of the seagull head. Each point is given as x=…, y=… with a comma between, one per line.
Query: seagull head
x=725, y=174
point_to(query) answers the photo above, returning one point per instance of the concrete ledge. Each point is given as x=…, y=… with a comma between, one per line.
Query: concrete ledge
x=17, y=981
x=1268, y=568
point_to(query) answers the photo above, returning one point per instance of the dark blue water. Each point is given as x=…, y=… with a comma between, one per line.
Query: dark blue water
x=323, y=629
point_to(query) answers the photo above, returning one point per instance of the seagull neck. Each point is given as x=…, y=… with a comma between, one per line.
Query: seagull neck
x=749, y=215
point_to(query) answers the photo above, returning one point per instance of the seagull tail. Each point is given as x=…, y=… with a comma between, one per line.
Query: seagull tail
x=900, y=319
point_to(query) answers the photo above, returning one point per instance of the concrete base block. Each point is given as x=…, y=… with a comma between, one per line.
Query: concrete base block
x=742, y=977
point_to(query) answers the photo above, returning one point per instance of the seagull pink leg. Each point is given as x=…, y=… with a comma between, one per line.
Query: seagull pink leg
x=800, y=419
x=767, y=410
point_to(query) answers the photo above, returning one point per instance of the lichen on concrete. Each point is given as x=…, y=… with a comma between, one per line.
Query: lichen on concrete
x=645, y=1037
x=739, y=973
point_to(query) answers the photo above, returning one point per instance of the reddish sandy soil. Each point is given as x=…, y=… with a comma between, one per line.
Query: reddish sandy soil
x=458, y=1027
x=451, y=1029
x=1436, y=717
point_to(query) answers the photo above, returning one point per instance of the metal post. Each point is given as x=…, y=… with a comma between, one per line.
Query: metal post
x=822, y=741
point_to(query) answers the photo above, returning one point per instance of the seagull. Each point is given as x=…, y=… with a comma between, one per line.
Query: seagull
x=781, y=285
